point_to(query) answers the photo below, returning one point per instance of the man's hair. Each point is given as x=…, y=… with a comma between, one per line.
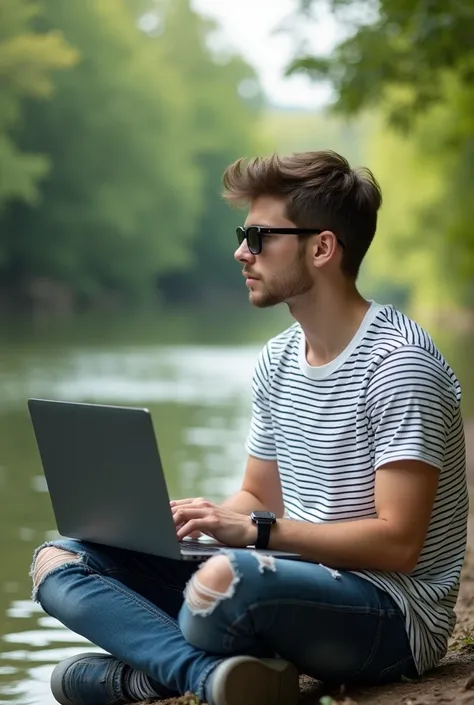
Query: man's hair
x=320, y=190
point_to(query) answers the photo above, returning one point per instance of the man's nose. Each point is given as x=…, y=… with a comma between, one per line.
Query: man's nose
x=243, y=254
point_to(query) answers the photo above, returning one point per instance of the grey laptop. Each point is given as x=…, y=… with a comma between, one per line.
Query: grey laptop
x=105, y=479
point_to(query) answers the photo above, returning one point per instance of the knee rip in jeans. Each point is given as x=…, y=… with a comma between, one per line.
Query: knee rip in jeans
x=216, y=581
x=47, y=560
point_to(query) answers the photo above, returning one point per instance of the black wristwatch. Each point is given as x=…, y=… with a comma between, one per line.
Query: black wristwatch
x=264, y=521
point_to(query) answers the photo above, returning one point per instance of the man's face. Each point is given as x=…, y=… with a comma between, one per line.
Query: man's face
x=281, y=271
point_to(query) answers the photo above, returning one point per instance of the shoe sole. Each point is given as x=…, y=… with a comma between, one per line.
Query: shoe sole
x=251, y=681
x=57, y=675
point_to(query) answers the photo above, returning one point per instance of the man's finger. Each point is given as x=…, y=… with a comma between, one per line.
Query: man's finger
x=195, y=534
x=189, y=500
x=191, y=527
x=183, y=505
x=185, y=514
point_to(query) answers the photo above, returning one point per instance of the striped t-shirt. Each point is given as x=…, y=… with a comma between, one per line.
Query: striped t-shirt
x=390, y=395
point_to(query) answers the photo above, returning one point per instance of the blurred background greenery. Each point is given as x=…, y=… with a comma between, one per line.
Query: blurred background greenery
x=407, y=66
x=118, y=118
x=117, y=281
x=116, y=124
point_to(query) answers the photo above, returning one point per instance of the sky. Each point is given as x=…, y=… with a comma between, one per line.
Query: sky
x=249, y=26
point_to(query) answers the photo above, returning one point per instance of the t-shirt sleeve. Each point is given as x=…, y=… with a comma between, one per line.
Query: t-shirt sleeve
x=260, y=440
x=411, y=402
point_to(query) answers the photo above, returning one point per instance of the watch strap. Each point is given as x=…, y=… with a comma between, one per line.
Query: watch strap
x=263, y=534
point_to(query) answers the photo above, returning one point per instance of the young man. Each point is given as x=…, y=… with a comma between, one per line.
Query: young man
x=356, y=462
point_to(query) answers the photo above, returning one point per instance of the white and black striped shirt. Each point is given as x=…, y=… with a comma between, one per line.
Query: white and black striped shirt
x=390, y=395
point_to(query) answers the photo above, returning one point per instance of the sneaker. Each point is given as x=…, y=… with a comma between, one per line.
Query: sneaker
x=89, y=679
x=244, y=679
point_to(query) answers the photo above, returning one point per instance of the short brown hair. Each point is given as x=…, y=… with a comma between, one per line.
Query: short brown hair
x=320, y=189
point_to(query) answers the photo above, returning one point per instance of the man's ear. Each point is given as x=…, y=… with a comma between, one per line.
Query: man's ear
x=323, y=248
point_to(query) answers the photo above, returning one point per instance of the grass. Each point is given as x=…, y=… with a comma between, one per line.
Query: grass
x=463, y=642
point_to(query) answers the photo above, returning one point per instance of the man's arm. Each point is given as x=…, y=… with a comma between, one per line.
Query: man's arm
x=405, y=491
x=261, y=489
x=404, y=495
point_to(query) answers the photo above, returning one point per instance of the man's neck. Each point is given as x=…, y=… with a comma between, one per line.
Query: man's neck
x=329, y=321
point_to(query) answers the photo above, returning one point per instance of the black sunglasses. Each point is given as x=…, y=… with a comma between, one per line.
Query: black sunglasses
x=253, y=234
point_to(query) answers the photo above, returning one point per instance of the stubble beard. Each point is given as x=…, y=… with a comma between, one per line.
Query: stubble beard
x=293, y=282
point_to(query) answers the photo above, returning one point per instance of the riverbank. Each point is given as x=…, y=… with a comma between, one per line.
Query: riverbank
x=452, y=682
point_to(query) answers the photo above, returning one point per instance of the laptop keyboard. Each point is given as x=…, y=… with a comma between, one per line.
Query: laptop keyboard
x=199, y=546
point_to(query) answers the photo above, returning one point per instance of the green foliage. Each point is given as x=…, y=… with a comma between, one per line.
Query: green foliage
x=424, y=247
x=119, y=203
x=413, y=62
x=27, y=60
x=407, y=44
x=136, y=135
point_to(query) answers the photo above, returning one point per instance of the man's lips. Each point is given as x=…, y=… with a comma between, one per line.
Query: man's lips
x=247, y=275
x=250, y=281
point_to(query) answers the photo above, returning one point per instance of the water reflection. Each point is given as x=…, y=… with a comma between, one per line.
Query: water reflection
x=25, y=662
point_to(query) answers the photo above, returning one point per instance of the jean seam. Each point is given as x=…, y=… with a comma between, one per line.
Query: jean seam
x=310, y=603
x=375, y=645
x=230, y=632
x=229, y=638
x=129, y=594
x=201, y=689
x=398, y=664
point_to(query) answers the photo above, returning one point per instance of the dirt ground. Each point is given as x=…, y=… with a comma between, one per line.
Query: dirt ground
x=451, y=682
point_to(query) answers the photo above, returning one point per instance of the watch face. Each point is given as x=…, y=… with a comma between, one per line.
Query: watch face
x=263, y=517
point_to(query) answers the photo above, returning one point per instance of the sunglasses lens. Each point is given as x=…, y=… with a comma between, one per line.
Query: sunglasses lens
x=253, y=240
x=252, y=236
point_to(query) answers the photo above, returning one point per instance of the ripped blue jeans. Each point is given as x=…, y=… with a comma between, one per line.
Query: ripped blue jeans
x=332, y=625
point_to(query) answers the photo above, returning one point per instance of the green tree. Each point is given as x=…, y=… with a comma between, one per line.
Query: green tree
x=409, y=45
x=27, y=62
x=412, y=63
x=137, y=135
x=119, y=204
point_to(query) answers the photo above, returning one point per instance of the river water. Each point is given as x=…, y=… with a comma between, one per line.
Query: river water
x=192, y=370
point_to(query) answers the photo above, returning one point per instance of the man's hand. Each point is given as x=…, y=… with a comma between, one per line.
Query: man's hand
x=193, y=516
x=198, y=500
